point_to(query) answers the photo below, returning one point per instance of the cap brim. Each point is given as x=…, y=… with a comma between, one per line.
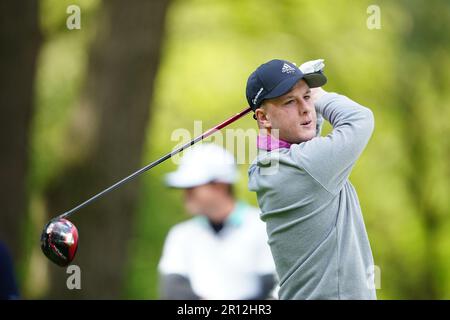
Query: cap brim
x=183, y=180
x=316, y=79
x=313, y=80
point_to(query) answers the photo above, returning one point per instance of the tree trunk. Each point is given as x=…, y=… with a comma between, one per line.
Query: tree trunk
x=20, y=39
x=109, y=130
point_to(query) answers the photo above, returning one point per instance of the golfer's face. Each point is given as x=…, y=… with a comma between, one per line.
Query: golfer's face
x=293, y=114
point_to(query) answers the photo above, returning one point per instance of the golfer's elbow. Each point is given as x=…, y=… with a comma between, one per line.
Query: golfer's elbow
x=369, y=121
x=364, y=126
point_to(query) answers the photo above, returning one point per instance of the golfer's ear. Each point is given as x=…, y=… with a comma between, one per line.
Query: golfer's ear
x=262, y=118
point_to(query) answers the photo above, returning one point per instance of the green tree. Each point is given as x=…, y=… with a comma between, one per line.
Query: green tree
x=114, y=112
x=20, y=39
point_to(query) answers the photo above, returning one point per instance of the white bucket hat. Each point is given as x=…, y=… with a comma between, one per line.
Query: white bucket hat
x=202, y=164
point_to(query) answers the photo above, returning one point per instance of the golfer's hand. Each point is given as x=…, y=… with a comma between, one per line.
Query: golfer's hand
x=312, y=66
x=316, y=93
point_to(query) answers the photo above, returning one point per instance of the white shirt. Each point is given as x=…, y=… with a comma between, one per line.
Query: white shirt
x=224, y=265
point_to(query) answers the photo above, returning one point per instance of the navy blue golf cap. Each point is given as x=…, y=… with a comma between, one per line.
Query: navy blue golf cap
x=275, y=78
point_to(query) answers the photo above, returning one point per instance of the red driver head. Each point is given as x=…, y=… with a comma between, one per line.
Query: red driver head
x=59, y=241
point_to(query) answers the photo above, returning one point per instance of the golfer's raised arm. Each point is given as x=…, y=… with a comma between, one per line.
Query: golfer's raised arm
x=329, y=159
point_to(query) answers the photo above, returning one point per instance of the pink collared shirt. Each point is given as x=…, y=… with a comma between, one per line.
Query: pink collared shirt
x=269, y=143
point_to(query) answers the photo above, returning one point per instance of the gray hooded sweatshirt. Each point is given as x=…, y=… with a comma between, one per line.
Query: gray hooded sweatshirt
x=313, y=217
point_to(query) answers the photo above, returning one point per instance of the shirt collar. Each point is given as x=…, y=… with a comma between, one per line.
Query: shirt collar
x=235, y=218
x=269, y=142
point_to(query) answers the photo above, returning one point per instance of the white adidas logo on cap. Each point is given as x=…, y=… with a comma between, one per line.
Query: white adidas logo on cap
x=287, y=68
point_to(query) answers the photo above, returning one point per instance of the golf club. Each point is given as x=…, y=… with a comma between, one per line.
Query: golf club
x=59, y=239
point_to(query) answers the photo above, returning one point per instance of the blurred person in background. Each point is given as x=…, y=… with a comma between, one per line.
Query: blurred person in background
x=8, y=284
x=222, y=252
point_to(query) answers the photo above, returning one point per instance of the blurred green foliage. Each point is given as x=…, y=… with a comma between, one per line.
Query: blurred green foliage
x=210, y=49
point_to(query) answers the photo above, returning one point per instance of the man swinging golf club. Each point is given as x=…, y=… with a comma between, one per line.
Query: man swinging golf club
x=314, y=222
